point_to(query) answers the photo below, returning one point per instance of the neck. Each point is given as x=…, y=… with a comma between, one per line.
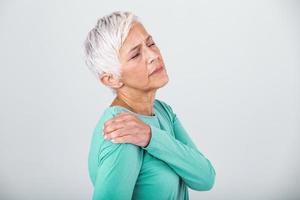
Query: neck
x=137, y=101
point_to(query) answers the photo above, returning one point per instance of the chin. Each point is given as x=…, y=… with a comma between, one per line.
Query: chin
x=162, y=82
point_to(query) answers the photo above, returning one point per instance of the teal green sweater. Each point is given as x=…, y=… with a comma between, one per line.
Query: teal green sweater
x=163, y=169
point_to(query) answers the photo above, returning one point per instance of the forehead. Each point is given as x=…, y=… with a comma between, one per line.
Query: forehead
x=135, y=36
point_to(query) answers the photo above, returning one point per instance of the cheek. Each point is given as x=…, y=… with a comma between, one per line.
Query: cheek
x=135, y=75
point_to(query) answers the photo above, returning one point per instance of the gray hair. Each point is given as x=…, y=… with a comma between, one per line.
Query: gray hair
x=104, y=41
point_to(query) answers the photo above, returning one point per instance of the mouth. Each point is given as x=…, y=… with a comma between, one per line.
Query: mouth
x=157, y=70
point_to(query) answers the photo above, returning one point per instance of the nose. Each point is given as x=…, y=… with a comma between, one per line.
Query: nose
x=152, y=55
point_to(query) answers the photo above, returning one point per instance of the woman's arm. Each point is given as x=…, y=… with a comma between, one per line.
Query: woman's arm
x=118, y=168
x=118, y=172
x=182, y=155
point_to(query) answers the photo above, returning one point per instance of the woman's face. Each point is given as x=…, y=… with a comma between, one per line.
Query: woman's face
x=142, y=66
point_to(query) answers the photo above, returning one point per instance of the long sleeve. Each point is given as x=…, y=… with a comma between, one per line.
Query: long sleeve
x=118, y=172
x=182, y=155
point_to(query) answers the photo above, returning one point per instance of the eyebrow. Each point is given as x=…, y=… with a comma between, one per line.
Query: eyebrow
x=137, y=46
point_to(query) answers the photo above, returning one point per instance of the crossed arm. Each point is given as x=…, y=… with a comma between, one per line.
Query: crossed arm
x=120, y=163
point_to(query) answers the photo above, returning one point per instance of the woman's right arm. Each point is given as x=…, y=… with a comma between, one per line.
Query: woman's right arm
x=119, y=167
x=118, y=172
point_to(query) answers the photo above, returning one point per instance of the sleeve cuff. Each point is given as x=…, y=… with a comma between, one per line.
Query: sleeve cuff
x=156, y=138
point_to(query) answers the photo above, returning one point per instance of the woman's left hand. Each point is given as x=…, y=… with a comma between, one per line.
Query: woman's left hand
x=127, y=128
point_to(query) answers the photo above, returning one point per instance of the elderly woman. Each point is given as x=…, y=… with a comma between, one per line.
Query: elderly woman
x=139, y=148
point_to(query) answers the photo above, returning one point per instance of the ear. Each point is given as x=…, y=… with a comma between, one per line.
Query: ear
x=110, y=80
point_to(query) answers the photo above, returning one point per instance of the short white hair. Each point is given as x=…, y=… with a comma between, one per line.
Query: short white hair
x=104, y=41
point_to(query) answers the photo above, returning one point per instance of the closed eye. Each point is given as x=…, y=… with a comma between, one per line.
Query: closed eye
x=135, y=56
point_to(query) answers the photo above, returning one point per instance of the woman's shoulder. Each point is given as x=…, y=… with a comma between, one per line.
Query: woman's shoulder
x=110, y=112
x=97, y=137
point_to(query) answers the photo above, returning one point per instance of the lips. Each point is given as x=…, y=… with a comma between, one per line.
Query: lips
x=157, y=70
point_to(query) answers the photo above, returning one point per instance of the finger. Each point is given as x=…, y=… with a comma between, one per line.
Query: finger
x=113, y=126
x=114, y=134
x=120, y=133
x=124, y=139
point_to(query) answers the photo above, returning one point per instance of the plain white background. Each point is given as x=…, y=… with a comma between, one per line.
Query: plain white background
x=234, y=83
